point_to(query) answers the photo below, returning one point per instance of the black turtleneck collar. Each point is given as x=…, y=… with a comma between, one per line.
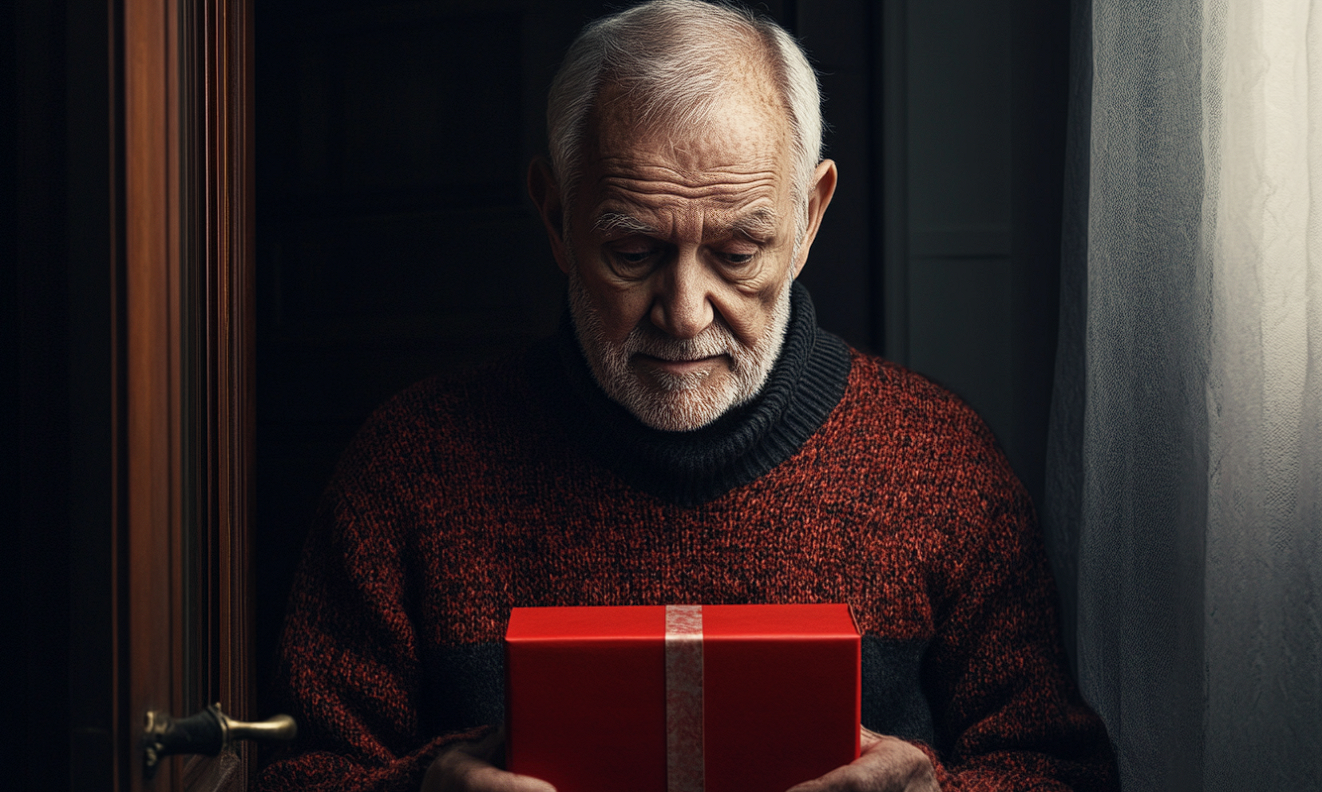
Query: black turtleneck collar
x=690, y=468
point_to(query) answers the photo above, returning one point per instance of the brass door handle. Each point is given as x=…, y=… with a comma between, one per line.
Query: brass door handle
x=208, y=732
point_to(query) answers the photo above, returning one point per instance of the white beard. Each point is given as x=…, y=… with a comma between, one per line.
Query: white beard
x=676, y=402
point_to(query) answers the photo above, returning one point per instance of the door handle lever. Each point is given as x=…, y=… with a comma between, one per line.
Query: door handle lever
x=207, y=732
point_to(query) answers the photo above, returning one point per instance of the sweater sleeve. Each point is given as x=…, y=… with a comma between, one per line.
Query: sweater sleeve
x=1008, y=716
x=349, y=667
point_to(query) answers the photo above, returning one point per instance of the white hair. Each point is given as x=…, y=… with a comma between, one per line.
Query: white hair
x=675, y=58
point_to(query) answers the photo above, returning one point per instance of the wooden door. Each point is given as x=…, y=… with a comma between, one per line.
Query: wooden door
x=184, y=434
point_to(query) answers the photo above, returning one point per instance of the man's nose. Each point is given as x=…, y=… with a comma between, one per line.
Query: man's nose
x=682, y=304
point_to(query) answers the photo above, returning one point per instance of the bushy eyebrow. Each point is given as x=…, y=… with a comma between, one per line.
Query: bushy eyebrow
x=618, y=222
x=759, y=224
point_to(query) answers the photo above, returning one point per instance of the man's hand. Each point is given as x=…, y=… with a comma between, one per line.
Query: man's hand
x=467, y=767
x=884, y=764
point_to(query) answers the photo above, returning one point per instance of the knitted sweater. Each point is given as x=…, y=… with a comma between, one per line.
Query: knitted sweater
x=849, y=479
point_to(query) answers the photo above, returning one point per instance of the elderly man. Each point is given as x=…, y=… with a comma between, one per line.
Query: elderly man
x=690, y=436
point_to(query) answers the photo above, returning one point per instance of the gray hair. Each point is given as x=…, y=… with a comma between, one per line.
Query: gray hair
x=674, y=57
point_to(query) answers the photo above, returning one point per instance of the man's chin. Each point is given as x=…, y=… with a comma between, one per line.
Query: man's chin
x=681, y=410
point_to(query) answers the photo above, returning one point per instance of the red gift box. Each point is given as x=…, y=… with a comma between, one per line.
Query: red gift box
x=687, y=698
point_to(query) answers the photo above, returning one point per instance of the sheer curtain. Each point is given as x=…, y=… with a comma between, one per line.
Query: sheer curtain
x=1184, y=511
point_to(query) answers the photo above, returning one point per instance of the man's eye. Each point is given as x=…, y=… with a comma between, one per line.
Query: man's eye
x=633, y=256
x=737, y=258
x=632, y=262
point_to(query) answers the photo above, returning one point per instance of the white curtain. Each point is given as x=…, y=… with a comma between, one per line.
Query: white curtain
x=1185, y=507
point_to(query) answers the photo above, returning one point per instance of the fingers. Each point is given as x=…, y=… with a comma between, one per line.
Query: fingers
x=885, y=764
x=482, y=777
x=849, y=778
x=466, y=767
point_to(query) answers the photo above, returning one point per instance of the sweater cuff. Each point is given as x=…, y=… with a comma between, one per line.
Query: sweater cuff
x=944, y=779
x=319, y=770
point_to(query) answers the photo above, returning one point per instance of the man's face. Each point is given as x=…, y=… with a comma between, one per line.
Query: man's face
x=680, y=245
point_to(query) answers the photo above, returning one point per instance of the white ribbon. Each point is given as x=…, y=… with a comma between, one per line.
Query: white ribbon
x=684, y=757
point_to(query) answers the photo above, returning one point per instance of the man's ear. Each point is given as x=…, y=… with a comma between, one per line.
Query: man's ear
x=545, y=193
x=820, y=191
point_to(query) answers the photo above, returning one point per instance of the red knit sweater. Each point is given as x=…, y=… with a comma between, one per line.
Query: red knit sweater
x=460, y=500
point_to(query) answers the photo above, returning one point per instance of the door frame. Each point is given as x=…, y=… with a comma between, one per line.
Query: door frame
x=183, y=368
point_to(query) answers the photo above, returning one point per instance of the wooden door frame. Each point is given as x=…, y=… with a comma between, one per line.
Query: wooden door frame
x=183, y=365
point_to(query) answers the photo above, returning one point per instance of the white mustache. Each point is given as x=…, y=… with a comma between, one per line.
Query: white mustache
x=712, y=342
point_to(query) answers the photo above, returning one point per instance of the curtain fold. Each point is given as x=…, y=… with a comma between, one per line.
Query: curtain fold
x=1184, y=507
x=1263, y=198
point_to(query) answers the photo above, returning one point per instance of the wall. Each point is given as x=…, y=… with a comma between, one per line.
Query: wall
x=55, y=257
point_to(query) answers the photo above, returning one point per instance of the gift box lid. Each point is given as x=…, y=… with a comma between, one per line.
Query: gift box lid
x=648, y=622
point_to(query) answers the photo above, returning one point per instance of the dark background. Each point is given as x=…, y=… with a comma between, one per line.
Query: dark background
x=395, y=241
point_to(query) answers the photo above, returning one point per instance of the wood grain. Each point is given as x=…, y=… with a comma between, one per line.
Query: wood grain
x=187, y=318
